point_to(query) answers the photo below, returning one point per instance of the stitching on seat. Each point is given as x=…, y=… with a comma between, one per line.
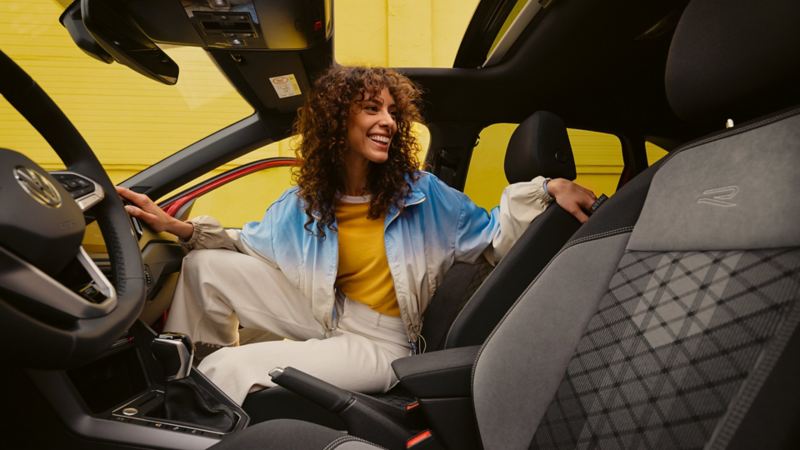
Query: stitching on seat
x=347, y=438
x=594, y=236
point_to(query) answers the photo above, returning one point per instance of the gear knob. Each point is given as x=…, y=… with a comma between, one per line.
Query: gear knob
x=175, y=352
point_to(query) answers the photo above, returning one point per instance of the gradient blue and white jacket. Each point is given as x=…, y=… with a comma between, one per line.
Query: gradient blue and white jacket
x=437, y=226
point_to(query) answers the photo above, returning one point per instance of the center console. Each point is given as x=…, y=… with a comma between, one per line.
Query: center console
x=127, y=396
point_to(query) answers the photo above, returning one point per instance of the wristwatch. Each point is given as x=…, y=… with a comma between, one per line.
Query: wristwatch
x=547, y=196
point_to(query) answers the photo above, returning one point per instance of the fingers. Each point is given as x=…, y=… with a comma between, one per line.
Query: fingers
x=574, y=198
x=143, y=208
x=140, y=200
x=580, y=215
x=136, y=212
x=574, y=208
x=587, y=200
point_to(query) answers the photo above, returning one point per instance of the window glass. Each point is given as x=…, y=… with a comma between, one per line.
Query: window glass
x=245, y=199
x=400, y=33
x=507, y=24
x=130, y=121
x=654, y=153
x=424, y=140
x=486, y=177
x=598, y=158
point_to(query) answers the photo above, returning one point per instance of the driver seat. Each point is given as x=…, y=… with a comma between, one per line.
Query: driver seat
x=670, y=320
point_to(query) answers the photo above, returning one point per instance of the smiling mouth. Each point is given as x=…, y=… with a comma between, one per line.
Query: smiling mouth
x=380, y=139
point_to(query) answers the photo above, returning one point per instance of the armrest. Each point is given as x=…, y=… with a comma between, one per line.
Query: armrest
x=445, y=373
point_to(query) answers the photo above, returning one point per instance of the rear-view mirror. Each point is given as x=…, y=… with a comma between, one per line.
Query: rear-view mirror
x=120, y=38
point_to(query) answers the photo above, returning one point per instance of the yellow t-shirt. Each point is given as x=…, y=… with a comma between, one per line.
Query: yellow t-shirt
x=363, y=274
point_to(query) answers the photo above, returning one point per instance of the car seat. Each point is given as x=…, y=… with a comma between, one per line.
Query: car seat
x=670, y=320
x=472, y=298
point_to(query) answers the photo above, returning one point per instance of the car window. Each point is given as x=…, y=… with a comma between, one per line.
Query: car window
x=112, y=106
x=598, y=157
x=654, y=153
x=245, y=199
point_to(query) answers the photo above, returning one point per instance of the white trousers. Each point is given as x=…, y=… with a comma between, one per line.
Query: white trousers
x=220, y=289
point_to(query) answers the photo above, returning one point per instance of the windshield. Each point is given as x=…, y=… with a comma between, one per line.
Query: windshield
x=130, y=121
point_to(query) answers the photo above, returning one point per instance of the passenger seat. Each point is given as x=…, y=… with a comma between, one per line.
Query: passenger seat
x=465, y=308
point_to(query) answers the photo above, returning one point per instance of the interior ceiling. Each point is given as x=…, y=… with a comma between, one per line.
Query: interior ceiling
x=581, y=60
x=593, y=62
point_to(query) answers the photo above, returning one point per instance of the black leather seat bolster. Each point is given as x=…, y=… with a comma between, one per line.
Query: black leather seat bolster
x=446, y=373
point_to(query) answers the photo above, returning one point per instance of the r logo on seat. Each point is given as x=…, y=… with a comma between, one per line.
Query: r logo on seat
x=719, y=196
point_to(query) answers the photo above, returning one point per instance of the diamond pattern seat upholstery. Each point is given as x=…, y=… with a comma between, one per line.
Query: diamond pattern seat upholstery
x=670, y=320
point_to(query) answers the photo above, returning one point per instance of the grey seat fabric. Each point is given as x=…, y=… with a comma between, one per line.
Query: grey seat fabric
x=665, y=322
x=665, y=343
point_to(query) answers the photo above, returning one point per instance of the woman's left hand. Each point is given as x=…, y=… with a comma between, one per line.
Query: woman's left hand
x=572, y=197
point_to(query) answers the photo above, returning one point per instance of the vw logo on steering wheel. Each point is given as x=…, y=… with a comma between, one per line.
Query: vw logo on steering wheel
x=37, y=186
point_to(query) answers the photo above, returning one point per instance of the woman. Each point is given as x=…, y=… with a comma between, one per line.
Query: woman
x=345, y=263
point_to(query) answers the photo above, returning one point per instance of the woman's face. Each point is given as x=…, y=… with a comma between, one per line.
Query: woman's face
x=370, y=128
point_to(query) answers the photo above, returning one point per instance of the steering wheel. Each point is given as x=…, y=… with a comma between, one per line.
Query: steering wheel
x=57, y=309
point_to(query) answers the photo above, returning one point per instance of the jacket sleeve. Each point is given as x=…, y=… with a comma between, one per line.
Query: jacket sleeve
x=520, y=203
x=255, y=238
x=208, y=233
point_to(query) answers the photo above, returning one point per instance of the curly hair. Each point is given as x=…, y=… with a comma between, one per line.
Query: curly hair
x=322, y=125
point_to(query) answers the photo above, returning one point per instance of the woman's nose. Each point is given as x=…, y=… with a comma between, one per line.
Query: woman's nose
x=387, y=119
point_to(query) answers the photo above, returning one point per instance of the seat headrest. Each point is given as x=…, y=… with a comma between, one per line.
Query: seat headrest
x=539, y=146
x=734, y=60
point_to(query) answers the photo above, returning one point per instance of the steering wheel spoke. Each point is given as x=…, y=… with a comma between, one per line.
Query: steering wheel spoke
x=85, y=191
x=36, y=292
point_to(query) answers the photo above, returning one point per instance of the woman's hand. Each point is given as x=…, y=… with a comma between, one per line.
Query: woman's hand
x=573, y=198
x=144, y=209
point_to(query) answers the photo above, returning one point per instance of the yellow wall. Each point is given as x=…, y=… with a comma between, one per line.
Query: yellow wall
x=129, y=120
x=400, y=33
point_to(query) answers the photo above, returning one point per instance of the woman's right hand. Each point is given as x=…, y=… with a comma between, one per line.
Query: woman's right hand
x=145, y=209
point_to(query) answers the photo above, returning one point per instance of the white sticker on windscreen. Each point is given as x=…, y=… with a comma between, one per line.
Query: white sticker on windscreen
x=285, y=85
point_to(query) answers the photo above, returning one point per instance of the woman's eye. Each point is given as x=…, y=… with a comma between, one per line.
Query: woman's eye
x=371, y=108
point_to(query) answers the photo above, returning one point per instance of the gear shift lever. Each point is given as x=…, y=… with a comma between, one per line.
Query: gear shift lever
x=175, y=352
